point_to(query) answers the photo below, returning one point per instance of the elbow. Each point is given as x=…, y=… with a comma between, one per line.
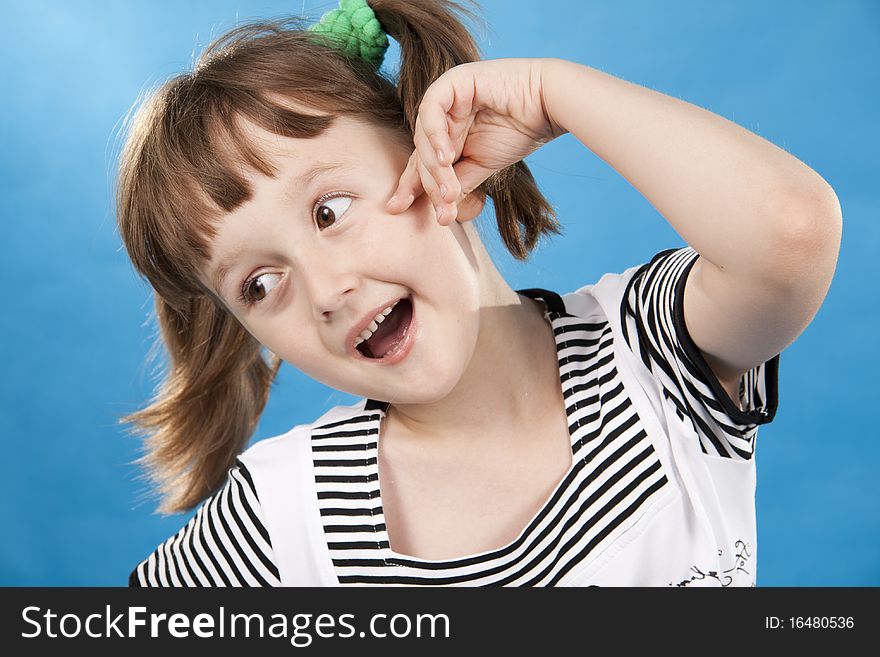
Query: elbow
x=810, y=225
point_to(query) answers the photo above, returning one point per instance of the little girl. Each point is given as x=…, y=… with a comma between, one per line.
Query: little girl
x=289, y=203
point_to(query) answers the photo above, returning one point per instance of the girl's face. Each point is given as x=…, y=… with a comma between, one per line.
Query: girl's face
x=314, y=252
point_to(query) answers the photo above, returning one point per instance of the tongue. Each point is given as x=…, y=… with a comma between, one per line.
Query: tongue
x=392, y=330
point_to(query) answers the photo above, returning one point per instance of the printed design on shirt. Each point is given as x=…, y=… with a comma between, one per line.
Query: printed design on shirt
x=652, y=321
x=615, y=476
x=224, y=544
x=741, y=556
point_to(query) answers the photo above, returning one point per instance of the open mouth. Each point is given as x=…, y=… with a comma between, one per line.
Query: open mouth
x=391, y=333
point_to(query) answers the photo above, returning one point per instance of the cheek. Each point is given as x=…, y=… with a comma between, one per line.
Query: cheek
x=413, y=246
x=438, y=265
x=305, y=354
x=293, y=346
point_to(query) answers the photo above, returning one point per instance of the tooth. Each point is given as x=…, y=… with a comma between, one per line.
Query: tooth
x=378, y=319
x=382, y=315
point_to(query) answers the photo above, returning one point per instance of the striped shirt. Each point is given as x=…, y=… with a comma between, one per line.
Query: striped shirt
x=660, y=491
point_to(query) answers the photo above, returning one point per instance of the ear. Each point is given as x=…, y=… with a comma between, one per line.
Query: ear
x=470, y=207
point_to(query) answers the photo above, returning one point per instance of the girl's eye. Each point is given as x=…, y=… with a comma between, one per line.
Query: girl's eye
x=257, y=288
x=328, y=210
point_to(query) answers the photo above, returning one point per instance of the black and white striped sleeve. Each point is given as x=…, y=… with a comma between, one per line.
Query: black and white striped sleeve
x=652, y=320
x=224, y=544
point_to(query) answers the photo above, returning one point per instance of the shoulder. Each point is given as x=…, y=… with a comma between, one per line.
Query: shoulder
x=225, y=543
x=604, y=297
x=282, y=466
x=645, y=305
x=295, y=444
x=284, y=476
x=231, y=539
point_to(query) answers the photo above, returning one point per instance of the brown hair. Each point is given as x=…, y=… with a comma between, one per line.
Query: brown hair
x=178, y=174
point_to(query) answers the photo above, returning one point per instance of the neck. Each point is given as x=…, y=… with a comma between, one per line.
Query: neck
x=512, y=373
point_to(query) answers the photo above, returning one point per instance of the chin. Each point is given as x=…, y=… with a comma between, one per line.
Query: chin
x=434, y=383
x=429, y=391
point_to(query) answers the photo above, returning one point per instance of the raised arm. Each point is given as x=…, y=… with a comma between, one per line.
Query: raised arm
x=766, y=226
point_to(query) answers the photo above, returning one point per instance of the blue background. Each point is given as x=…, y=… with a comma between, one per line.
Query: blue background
x=74, y=332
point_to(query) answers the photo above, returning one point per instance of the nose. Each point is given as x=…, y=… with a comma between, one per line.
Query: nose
x=328, y=282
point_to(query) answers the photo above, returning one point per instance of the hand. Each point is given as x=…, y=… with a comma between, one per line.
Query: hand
x=475, y=119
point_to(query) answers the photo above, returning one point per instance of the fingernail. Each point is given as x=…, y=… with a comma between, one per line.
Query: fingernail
x=391, y=201
x=440, y=215
x=440, y=157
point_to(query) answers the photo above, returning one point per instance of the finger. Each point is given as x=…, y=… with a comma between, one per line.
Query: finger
x=470, y=175
x=409, y=187
x=448, y=187
x=444, y=210
x=431, y=121
x=442, y=173
x=469, y=205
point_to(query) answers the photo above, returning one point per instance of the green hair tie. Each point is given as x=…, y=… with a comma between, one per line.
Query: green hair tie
x=355, y=30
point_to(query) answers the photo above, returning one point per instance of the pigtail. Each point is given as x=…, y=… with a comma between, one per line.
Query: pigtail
x=216, y=385
x=432, y=40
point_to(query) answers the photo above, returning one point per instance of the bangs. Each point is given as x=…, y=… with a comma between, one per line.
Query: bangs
x=222, y=148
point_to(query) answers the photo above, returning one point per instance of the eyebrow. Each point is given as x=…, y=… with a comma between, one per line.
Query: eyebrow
x=319, y=170
x=298, y=182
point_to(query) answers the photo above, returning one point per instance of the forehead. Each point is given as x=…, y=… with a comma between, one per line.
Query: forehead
x=348, y=145
x=347, y=138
